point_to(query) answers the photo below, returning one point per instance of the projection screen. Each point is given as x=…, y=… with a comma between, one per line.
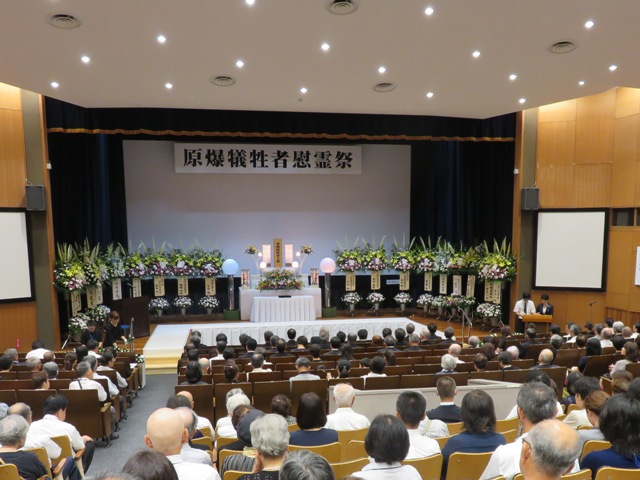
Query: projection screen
x=571, y=249
x=15, y=281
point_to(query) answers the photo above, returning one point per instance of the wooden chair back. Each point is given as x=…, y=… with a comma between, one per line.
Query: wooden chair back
x=572, y=407
x=9, y=375
x=224, y=454
x=358, y=371
x=610, y=473
x=9, y=472
x=41, y=453
x=461, y=378
x=455, y=427
x=281, y=367
x=510, y=435
x=598, y=365
x=581, y=475
x=557, y=375
x=467, y=466
x=265, y=376
x=418, y=381
x=442, y=441
x=87, y=414
x=222, y=441
x=427, y=368
x=524, y=363
x=202, y=398
x=634, y=368
x=332, y=452
x=35, y=399
x=345, y=436
x=355, y=382
x=220, y=393
x=509, y=424
x=207, y=441
x=567, y=357
x=8, y=396
x=292, y=427
x=534, y=350
x=344, y=469
x=495, y=375
x=429, y=467
x=69, y=375
x=300, y=387
x=15, y=384
x=398, y=370
x=515, y=376
x=355, y=450
x=263, y=392
x=382, y=383
x=593, y=446
x=59, y=384
x=233, y=475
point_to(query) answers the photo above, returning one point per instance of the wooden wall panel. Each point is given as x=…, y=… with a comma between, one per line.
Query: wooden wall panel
x=10, y=97
x=594, y=128
x=12, y=159
x=558, y=112
x=573, y=306
x=619, y=269
x=17, y=320
x=625, y=160
x=627, y=102
x=556, y=186
x=633, y=289
x=591, y=185
x=618, y=301
x=556, y=144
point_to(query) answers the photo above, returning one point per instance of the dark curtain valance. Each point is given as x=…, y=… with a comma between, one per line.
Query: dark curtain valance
x=165, y=122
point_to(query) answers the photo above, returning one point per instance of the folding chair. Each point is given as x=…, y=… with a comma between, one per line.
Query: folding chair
x=429, y=468
x=343, y=469
x=332, y=452
x=345, y=436
x=467, y=466
x=610, y=473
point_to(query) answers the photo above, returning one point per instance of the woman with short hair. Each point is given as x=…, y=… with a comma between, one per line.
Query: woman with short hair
x=150, y=465
x=631, y=355
x=270, y=438
x=311, y=419
x=593, y=404
x=193, y=374
x=13, y=434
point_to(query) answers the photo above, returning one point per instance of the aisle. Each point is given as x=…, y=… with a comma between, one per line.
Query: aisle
x=132, y=431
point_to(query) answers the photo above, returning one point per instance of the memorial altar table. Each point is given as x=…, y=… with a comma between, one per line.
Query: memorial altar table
x=289, y=309
x=247, y=300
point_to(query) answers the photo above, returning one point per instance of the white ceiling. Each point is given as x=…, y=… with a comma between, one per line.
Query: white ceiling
x=279, y=41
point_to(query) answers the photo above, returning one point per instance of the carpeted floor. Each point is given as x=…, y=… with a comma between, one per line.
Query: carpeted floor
x=155, y=394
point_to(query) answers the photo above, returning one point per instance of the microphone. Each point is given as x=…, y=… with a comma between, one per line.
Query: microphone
x=591, y=303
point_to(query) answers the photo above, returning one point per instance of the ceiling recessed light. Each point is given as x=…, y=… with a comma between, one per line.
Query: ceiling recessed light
x=476, y=54
x=581, y=82
x=161, y=38
x=513, y=76
x=613, y=68
x=85, y=59
x=168, y=85
x=249, y=2
x=382, y=69
x=522, y=100
x=303, y=90
x=55, y=84
x=325, y=46
x=428, y=11
x=589, y=24
x=239, y=64
x=429, y=94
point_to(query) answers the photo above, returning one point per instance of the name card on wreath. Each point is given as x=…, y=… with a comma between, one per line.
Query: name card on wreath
x=76, y=302
x=497, y=292
x=99, y=298
x=183, y=286
x=375, y=280
x=404, y=281
x=443, y=284
x=428, y=282
x=136, y=287
x=457, y=284
x=350, y=281
x=116, y=289
x=488, y=291
x=158, y=286
x=92, y=293
x=471, y=286
x=210, y=286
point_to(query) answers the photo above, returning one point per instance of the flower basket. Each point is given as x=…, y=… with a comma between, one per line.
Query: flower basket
x=208, y=303
x=280, y=279
x=498, y=265
x=351, y=299
x=159, y=304
x=98, y=314
x=78, y=323
x=182, y=303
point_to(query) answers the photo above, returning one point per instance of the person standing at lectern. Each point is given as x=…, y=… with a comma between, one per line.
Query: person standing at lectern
x=545, y=308
x=524, y=306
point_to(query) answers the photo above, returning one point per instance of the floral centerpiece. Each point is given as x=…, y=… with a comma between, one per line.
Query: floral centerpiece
x=349, y=260
x=500, y=264
x=114, y=257
x=159, y=304
x=375, y=297
x=424, y=259
x=182, y=302
x=98, y=314
x=255, y=254
x=280, y=279
x=374, y=259
x=78, y=323
x=472, y=258
x=351, y=298
x=490, y=310
x=134, y=265
x=402, y=298
x=157, y=263
x=68, y=273
x=466, y=302
x=208, y=302
x=402, y=258
x=439, y=301
x=442, y=260
x=182, y=264
x=209, y=264
x=425, y=300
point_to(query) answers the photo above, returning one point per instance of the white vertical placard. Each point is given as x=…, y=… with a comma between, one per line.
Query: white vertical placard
x=375, y=280
x=183, y=286
x=136, y=287
x=158, y=286
x=91, y=296
x=350, y=281
x=404, y=281
x=443, y=284
x=76, y=302
x=428, y=282
x=116, y=289
x=471, y=285
x=488, y=291
x=210, y=286
x=497, y=292
x=457, y=284
x=99, y=298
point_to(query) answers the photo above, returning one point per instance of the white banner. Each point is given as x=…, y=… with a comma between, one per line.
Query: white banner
x=443, y=284
x=457, y=285
x=158, y=286
x=404, y=281
x=488, y=291
x=76, y=302
x=92, y=293
x=350, y=281
x=183, y=286
x=136, y=287
x=210, y=286
x=267, y=159
x=428, y=282
x=471, y=286
x=375, y=280
x=116, y=289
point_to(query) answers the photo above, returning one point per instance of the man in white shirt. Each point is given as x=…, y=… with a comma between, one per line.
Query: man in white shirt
x=454, y=351
x=37, y=350
x=605, y=337
x=203, y=422
x=411, y=408
x=106, y=362
x=344, y=417
x=53, y=424
x=224, y=426
x=257, y=363
x=524, y=306
x=92, y=346
x=220, y=346
x=536, y=403
x=188, y=453
x=166, y=434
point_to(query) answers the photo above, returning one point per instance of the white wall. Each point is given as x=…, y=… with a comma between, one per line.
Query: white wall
x=230, y=212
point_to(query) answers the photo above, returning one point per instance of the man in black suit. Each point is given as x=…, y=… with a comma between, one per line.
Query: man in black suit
x=335, y=348
x=291, y=335
x=281, y=347
x=531, y=340
x=91, y=333
x=447, y=411
x=400, y=335
x=448, y=337
x=544, y=308
x=414, y=342
x=504, y=361
x=251, y=346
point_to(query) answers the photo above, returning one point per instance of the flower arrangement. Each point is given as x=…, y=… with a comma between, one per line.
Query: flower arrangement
x=78, y=322
x=182, y=264
x=489, y=310
x=159, y=303
x=374, y=259
x=306, y=250
x=182, y=302
x=425, y=299
x=439, y=301
x=472, y=259
x=465, y=302
x=425, y=260
x=139, y=358
x=208, y=302
x=499, y=264
x=349, y=259
x=351, y=298
x=134, y=265
x=251, y=250
x=157, y=263
x=98, y=314
x=68, y=274
x=402, y=298
x=280, y=279
x=375, y=297
x=402, y=260
x=208, y=263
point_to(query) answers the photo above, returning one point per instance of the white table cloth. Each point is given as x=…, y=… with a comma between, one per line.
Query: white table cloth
x=247, y=296
x=298, y=308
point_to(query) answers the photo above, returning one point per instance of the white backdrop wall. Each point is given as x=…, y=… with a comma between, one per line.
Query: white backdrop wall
x=230, y=212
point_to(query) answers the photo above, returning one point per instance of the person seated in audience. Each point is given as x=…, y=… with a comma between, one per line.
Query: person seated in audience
x=620, y=425
x=593, y=405
x=230, y=372
x=267, y=338
x=515, y=353
x=257, y=363
x=302, y=344
x=185, y=399
x=193, y=355
x=236, y=416
x=48, y=356
x=535, y=376
x=545, y=357
x=81, y=352
x=346, y=351
x=281, y=405
x=291, y=336
x=150, y=465
x=220, y=346
x=454, y=350
x=193, y=374
x=569, y=393
x=387, y=444
x=627, y=333
x=592, y=347
x=312, y=418
x=554, y=329
x=550, y=451
x=448, y=363
x=106, y=363
x=620, y=381
x=389, y=344
x=501, y=345
x=434, y=333
x=228, y=354
x=205, y=366
x=6, y=364
x=33, y=364
x=13, y=434
x=448, y=336
x=479, y=428
x=305, y=465
x=411, y=409
x=376, y=368
x=40, y=381
x=281, y=347
x=474, y=342
x=605, y=337
x=166, y=434
x=303, y=366
x=324, y=338
x=504, y=361
x=489, y=350
x=233, y=399
x=589, y=329
x=37, y=350
x=188, y=453
x=523, y=348
x=410, y=328
x=92, y=347
x=314, y=351
x=196, y=339
x=362, y=335
x=86, y=381
x=583, y=387
x=536, y=402
x=618, y=342
x=400, y=334
x=414, y=343
x=631, y=355
x=365, y=362
x=335, y=348
x=342, y=367
x=377, y=341
x=345, y=418
x=480, y=362
x=581, y=341
x=390, y=358
x=51, y=369
x=53, y=424
x=270, y=439
x=447, y=411
x=70, y=362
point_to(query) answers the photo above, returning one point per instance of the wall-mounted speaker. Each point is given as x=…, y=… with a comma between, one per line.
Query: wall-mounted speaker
x=529, y=198
x=36, y=201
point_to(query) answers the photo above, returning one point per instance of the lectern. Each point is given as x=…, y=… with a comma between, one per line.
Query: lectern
x=136, y=308
x=542, y=319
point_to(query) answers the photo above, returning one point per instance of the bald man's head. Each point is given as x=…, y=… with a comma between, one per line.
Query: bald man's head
x=165, y=432
x=550, y=450
x=187, y=394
